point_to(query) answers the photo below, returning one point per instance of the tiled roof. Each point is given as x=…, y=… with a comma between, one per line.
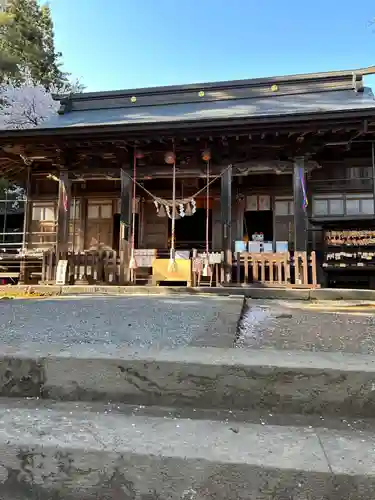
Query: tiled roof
x=262, y=97
x=277, y=105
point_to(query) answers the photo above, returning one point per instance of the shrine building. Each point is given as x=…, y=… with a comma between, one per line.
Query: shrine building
x=262, y=180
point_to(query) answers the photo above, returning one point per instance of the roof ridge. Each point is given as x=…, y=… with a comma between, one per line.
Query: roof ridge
x=225, y=84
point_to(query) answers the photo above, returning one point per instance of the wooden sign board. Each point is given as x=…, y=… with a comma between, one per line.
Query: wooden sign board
x=61, y=272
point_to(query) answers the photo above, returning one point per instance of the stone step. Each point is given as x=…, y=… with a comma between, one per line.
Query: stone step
x=280, y=381
x=69, y=451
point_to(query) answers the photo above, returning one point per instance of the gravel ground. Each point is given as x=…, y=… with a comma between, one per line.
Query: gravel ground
x=314, y=327
x=159, y=322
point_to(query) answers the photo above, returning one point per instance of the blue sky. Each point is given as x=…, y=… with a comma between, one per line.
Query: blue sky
x=137, y=43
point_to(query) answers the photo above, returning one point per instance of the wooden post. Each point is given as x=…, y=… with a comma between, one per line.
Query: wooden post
x=313, y=269
x=300, y=208
x=246, y=268
x=63, y=214
x=125, y=225
x=238, y=267
x=82, y=222
x=226, y=222
x=23, y=278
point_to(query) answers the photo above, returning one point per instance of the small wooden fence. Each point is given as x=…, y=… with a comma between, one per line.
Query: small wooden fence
x=297, y=269
x=92, y=267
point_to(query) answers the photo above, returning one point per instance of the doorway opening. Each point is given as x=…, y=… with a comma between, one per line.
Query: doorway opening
x=260, y=221
x=190, y=231
x=116, y=231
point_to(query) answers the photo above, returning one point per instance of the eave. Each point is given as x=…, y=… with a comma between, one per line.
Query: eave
x=324, y=120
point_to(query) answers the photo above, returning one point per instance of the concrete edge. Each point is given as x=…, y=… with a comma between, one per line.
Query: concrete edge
x=197, y=355
x=297, y=382
x=85, y=456
x=68, y=453
x=252, y=293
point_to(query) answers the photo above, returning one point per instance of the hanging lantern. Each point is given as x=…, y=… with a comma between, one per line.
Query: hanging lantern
x=169, y=158
x=206, y=155
x=161, y=211
x=139, y=154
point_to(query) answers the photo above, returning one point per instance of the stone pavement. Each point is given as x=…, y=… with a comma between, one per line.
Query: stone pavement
x=73, y=452
x=319, y=326
x=143, y=398
x=160, y=322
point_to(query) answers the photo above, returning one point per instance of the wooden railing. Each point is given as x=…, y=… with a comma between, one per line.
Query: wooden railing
x=92, y=266
x=276, y=269
x=296, y=269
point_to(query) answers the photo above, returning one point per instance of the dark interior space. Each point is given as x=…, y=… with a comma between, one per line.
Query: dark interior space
x=116, y=231
x=10, y=225
x=260, y=221
x=191, y=230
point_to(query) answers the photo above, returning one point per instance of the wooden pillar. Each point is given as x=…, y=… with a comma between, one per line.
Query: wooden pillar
x=82, y=223
x=23, y=278
x=63, y=213
x=373, y=169
x=300, y=209
x=125, y=225
x=226, y=222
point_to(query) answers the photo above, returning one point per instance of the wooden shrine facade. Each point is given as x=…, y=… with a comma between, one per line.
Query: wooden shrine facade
x=281, y=150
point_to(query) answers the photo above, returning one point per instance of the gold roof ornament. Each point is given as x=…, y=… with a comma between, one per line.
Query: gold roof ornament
x=274, y=87
x=133, y=99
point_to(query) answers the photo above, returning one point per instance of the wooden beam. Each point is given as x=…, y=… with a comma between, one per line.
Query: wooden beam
x=63, y=212
x=26, y=226
x=300, y=210
x=226, y=222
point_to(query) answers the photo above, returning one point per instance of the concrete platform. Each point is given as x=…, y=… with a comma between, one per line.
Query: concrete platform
x=141, y=321
x=279, y=381
x=249, y=292
x=63, y=452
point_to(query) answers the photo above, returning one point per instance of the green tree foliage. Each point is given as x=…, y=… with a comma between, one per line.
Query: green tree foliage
x=27, y=45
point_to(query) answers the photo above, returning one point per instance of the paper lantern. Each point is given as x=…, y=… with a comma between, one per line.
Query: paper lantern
x=169, y=158
x=206, y=155
x=139, y=154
